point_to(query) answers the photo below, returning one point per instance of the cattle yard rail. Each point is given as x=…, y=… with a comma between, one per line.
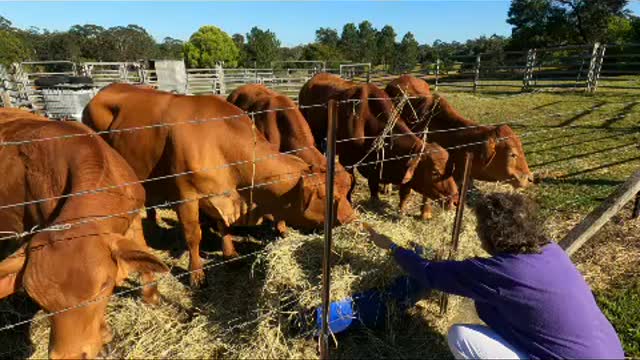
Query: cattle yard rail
x=213, y=264
x=610, y=67
x=577, y=67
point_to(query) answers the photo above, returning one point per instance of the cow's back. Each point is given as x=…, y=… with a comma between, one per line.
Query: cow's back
x=136, y=117
x=11, y=114
x=72, y=160
x=409, y=85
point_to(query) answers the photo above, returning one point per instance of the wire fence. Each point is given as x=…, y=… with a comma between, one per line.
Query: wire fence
x=61, y=227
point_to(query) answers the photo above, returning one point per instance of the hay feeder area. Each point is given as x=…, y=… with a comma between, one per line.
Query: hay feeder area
x=263, y=306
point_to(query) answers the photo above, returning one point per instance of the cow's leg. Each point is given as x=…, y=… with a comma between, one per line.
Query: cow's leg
x=353, y=184
x=405, y=192
x=105, y=331
x=426, y=212
x=386, y=189
x=150, y=293
x=458, y=171
x=228, y=249
x=281, y=227
x=374, y=188
x=188, y=214
x=152, y=215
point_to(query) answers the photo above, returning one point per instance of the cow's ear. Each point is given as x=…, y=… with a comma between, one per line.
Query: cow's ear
x=131, y=257
x=489, y=148
x=10, y=284
x=11, y=272
x=352, y=103
x=141, y=261
x=411, y=169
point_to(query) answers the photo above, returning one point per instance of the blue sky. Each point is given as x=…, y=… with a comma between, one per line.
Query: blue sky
x=293, y=22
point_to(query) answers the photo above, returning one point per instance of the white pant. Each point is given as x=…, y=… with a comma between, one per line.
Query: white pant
x=479, y=342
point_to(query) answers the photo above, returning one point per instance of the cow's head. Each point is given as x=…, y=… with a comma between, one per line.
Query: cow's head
x=503, y=158
x=430, y=176
x=343, y=181
x=73, y=276
x=368, y=104
x=312, y=201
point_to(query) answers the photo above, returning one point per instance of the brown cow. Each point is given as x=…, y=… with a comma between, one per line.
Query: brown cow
x=286, y=129
x=363, y=113
x=498, y=156
x=11, y=114
x=77, y=266
x=214, y=160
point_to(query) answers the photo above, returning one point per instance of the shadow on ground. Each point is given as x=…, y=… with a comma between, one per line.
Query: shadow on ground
x=16, y=342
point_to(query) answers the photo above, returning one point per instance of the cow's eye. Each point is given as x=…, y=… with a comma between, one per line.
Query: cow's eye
x=513, y=155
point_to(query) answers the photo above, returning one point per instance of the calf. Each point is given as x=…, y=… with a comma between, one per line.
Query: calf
x=498, y=153
x=210, y=144
x=281, y=122
x=77, y=267
x=364, y=113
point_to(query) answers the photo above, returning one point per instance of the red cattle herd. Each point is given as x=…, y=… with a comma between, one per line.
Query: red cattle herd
x=253, y=157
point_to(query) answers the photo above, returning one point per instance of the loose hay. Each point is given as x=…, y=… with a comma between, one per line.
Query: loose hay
x=263, y=308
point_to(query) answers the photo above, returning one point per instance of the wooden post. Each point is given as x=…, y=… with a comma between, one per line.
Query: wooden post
x=636, y=208
x=369, y=73
x=437, y=72
x=598, y=217
x=5, y=99
x=457, y=223
x=328, y=225
x=476, y=78
x=223, y=87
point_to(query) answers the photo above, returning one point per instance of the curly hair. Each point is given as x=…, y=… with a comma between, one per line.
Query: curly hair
x=509, y=223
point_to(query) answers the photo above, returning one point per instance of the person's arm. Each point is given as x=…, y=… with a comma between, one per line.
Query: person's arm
x=469, y=278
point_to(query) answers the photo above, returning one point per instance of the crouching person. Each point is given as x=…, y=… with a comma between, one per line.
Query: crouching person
x=533, y=300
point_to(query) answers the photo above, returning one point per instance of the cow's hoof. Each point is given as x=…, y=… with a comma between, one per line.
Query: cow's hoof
x=106, y=351
x=106, y=334
x=426, y=216
x=281, y=228
x=151, y=297
x=198, y=279
x=230, y=254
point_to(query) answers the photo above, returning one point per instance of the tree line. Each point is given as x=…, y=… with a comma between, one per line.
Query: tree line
x=535, y=23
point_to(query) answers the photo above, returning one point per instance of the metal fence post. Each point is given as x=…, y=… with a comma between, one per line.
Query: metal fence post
x=437, y=72
x=528, y=70
x=328, y=225
x=593, y=63
x=599, y=61
x=476, y=78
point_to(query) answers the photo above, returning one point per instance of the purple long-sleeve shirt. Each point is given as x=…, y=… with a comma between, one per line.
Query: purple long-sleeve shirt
x=539, y=303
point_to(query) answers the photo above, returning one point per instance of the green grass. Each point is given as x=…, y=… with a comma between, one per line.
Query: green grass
x=580, y=157
x=621, y=308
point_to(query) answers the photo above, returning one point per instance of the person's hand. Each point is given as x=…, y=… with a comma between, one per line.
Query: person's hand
x=380, y=240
